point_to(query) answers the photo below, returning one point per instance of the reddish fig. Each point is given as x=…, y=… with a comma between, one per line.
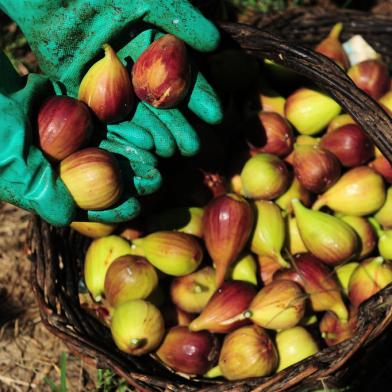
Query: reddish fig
x=369, y=278
x=161, y=74
x=334, y=331
x=382, y=166
x=332, y=48
x=267, y=267
x=349, y=144
x=189, y=352
x=129, y=277
x=227, y=223
x=317, y=281
x=64, y=125
x=276, y=134
x=107, y=88
x=371, y=76
x=231, y=299
x=315, y=168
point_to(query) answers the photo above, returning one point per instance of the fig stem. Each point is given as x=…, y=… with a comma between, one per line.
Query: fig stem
x=137, y=343
x=239, y=317
x=199, y=288
x=336, y=30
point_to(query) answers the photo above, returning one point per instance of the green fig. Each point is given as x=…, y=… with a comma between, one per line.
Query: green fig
x=339, y=121
x=245, y=269
x=129, y=277
x=171, y=252
x=184, y=219
x=384, y=215
x=264, y=176
x=137, y=327
x=310, y=111
x=365, y=232
x=269, y=234
x=360, y=191
x=192, y=292
x=294, y=345
x=295, y=191
x=384, y=240
x=294, y=240
x=100, y=254
x=329, y=238
x=343, y=274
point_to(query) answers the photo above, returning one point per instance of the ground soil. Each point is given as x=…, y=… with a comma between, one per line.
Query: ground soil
x=28, y=352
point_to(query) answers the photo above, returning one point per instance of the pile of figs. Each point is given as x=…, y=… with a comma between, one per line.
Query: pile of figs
x=274, y=265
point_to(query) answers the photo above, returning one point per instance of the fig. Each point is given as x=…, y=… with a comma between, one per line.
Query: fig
x=161, y=74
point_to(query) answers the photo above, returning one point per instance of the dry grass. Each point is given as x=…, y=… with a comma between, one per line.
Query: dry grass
x=28, y=352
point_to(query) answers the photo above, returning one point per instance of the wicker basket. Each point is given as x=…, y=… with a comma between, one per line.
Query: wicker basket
x=58, y=254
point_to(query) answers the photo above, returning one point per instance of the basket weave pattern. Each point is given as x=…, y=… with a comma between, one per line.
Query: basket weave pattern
x=58, y=254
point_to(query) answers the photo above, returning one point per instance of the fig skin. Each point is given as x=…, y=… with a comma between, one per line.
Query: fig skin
x=161, y=75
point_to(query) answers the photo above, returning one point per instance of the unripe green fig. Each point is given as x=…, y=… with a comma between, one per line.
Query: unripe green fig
x=100, y=254
x=329, y=238
x=384, y=215
x=192, y=292
x=310, y=111
x=171, y=252
x=295, y=191
x=365, y=232
x=137, y=327
x=184, y=219
x=264, y=176
x=294, y=240
x=294, y=345
x=269, y=234
x=360, y=191
x=343, y=274
x=245, y=269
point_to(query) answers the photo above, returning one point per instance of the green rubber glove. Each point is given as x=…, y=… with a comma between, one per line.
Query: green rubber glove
x=67, y=37
x=26, y=178
x=29, y=181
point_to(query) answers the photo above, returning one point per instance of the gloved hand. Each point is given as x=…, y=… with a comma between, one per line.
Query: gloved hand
x=66, y=40
x=67, y=36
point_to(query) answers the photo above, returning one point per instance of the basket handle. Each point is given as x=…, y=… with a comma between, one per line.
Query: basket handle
x=324, y=73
